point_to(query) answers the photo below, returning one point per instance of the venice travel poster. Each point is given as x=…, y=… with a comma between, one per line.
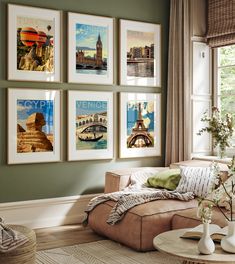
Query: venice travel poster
x=35, y=125
x=91, y=125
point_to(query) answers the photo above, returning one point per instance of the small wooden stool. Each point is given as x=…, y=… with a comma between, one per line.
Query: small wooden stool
x=24, y=254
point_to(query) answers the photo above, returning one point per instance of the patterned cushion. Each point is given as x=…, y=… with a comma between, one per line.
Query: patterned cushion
x=198, y=180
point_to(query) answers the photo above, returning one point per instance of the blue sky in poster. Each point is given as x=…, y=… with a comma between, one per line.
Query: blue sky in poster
x=27, y=107
x=87, y=35
x=147, y=115
x=90, y=107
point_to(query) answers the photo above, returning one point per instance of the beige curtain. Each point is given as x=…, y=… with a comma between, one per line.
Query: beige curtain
x=221, y=23
x=178, y=87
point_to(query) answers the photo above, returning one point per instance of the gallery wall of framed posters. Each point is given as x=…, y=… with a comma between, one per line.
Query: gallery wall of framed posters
x=34, y=115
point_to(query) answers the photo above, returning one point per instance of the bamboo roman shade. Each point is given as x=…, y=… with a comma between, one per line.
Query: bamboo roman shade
x=221, y=23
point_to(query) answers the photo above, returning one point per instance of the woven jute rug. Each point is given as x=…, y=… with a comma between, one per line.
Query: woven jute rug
x=101, y=252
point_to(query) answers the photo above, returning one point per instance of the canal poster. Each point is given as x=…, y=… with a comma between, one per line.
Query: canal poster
x=140, y=124
x=91, y=125
x=140, y=53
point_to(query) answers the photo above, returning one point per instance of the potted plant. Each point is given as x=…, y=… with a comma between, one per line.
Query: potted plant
x=220, y=128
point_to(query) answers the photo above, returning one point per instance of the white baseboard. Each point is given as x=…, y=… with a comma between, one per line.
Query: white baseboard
x=46, y=212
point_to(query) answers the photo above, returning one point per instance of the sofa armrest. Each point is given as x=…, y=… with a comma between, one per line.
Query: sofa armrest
x=198, y=163
x=119, y=179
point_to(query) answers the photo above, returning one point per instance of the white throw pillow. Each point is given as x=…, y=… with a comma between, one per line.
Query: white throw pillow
x=139, y=178
x=198, y=180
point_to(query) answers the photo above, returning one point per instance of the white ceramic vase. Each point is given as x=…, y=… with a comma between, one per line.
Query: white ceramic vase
x=228, y=242
x=206, y=245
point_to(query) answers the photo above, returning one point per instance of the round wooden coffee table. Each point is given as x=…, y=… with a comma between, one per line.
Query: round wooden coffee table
x=186, y=249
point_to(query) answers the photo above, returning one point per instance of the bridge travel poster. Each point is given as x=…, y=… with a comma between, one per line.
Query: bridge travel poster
x=140, y=45
x=34, y=125
x=90, y=125
x=140, y=133
x=90, y=49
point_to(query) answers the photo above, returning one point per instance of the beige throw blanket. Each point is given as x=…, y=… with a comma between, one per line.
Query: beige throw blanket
x=126, y=200
x=9, y=238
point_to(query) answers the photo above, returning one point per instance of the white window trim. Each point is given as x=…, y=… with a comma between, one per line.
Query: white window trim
x=231, y=150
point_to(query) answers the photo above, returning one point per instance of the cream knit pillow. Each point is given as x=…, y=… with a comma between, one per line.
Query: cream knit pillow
x=198, y=180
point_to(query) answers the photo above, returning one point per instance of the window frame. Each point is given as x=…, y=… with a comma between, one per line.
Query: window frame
x=230, y=151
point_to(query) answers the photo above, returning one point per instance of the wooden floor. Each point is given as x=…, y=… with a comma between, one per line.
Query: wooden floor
x=62, y=236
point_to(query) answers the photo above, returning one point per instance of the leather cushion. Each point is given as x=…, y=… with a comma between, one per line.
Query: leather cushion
x=140, y=224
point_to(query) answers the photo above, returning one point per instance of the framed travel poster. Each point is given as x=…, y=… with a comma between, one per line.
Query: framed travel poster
x=33, y=126
x=140, y=125
x=140, y=53
x=90, y=125
x=90, y=49
x=33, y=44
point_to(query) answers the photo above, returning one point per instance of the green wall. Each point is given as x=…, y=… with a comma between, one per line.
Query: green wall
x=45, y=180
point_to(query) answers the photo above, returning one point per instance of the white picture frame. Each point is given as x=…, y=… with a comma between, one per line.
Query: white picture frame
x=140, y=125
x=140, y=53
x=90, y=116
x=90, y=49
x=34, y=44
x=34, y=126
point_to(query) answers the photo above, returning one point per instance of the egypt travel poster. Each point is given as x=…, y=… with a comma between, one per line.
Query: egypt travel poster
x=140, y=124
x=91, y=49
x=140, y=53
x=35, y=125
x=91, y=125
x=35, y=44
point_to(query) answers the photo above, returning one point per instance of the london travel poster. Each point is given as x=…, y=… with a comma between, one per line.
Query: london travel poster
x=35, y=125
x=140, y=124
x=90, y=46
x=91, y=125
x=91, y=49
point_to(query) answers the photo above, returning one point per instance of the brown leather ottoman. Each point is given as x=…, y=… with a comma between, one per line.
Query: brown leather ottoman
x=140, y=224
x=188, y=219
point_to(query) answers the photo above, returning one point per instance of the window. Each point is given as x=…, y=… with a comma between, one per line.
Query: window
x=225, y=81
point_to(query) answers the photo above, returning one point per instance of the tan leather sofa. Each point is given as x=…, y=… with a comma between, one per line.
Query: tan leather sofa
x=143, y=222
